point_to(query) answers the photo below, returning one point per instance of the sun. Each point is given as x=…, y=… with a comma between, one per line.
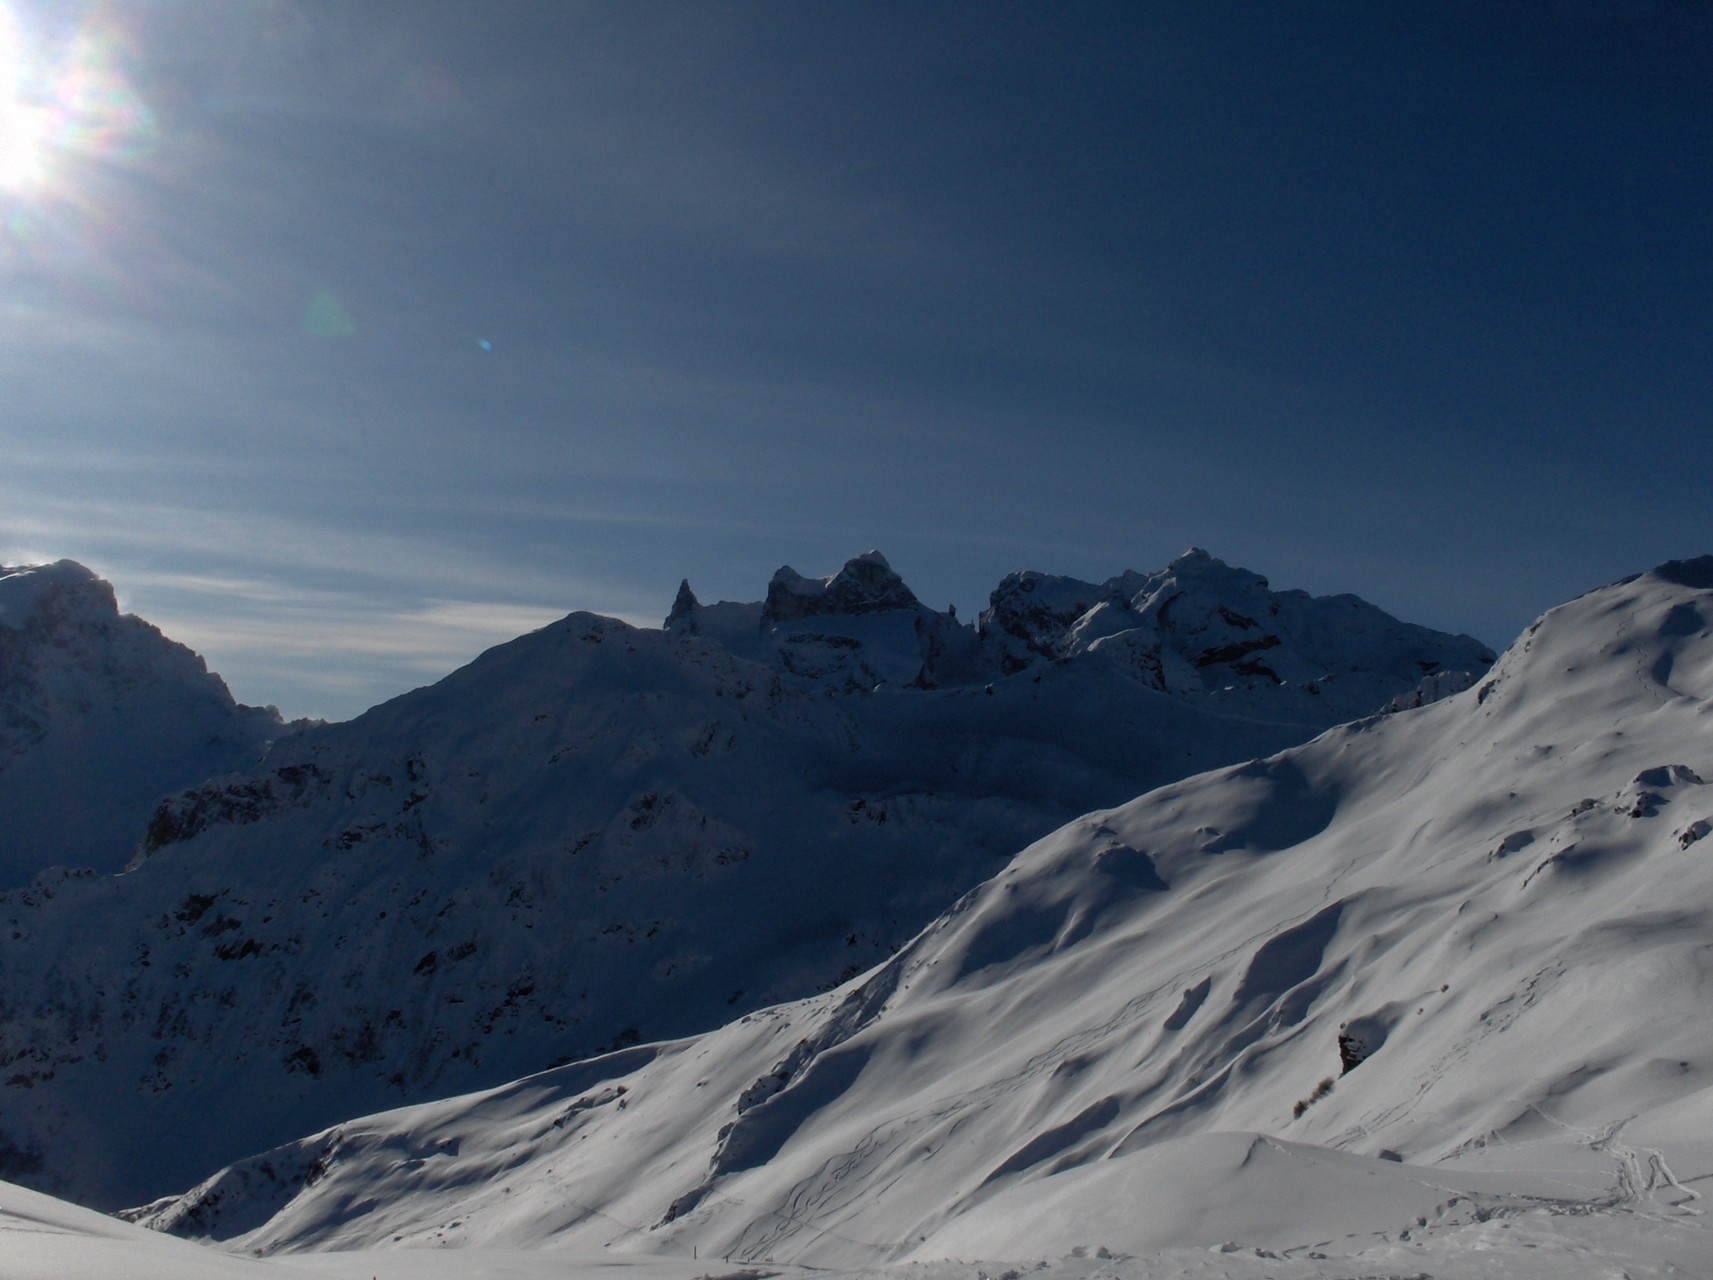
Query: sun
x=23, y=131
x=24, y=124
x=73, y=98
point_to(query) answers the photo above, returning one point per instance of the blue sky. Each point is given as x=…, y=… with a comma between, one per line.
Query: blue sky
x=349, y=337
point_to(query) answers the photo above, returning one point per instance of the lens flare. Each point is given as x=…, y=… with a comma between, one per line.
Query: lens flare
x=97, y=110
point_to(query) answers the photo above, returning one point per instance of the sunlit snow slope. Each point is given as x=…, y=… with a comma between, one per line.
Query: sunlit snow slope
x=1419, y=949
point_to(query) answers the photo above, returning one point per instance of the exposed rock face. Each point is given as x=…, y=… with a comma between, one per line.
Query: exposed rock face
x=1198, y=629
x=684, y=606
x=1201, y=629
x=100, y=716
x=867, y=584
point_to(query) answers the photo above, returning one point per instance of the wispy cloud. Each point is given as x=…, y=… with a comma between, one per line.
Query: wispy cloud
x=327, y=654
x=316, y=620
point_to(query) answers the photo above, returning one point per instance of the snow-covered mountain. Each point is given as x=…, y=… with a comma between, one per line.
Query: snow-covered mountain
x=1198, y=630
x=1391, y=993
x=100, y=717
x=600, y=834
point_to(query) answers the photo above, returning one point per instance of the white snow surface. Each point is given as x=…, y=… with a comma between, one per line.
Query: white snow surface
x=600, y=834
x=1121, y=1056
x=101, y=716
x=46, y=1239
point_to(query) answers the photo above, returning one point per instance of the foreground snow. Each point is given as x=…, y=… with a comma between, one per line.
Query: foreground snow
x=1513, y=1237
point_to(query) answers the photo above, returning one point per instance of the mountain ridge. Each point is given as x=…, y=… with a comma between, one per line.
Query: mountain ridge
x=592, y=835
x=1479, y=926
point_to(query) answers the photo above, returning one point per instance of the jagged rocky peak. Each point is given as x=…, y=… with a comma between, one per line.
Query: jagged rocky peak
x=852, y=631
x=1047, y=612
x=1201, y=627
x=1052, y=616
x=684, y=607
x=1200, y=570
x=866, y=584
x=66, y=650
x=1215, y=613
x=1038, y=608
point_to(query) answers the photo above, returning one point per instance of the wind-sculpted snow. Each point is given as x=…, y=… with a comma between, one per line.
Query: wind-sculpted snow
x=598, y=835
x=100, y=716
x=1465, y=991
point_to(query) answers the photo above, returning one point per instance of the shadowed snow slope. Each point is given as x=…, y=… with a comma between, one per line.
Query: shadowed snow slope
x=599, y=834
x=1415, y=951
x=100, y=716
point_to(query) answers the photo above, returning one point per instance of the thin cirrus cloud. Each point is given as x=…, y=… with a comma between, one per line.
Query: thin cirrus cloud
x=544, y=306
x=332, y=650
x=317, y=621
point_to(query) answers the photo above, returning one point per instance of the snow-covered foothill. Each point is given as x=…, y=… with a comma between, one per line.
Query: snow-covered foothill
x=43, y=1239
x=100, y=717
x=594, y=835
x=1426, y=995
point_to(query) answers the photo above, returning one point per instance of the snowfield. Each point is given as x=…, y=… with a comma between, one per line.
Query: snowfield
x=1425, y=996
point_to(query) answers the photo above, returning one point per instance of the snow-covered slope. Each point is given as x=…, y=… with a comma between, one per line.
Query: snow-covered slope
x=100, y=717
x=1453, y=963
x=46, y=1239
x=594, y=835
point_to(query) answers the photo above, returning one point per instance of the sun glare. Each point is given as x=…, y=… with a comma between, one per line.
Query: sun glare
x=72, y=100
x=23, y=124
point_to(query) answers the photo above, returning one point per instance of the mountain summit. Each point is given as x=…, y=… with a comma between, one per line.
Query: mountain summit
x=1202, y=630
x=100, y=716
x=867, y=584
x=1198, y=630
